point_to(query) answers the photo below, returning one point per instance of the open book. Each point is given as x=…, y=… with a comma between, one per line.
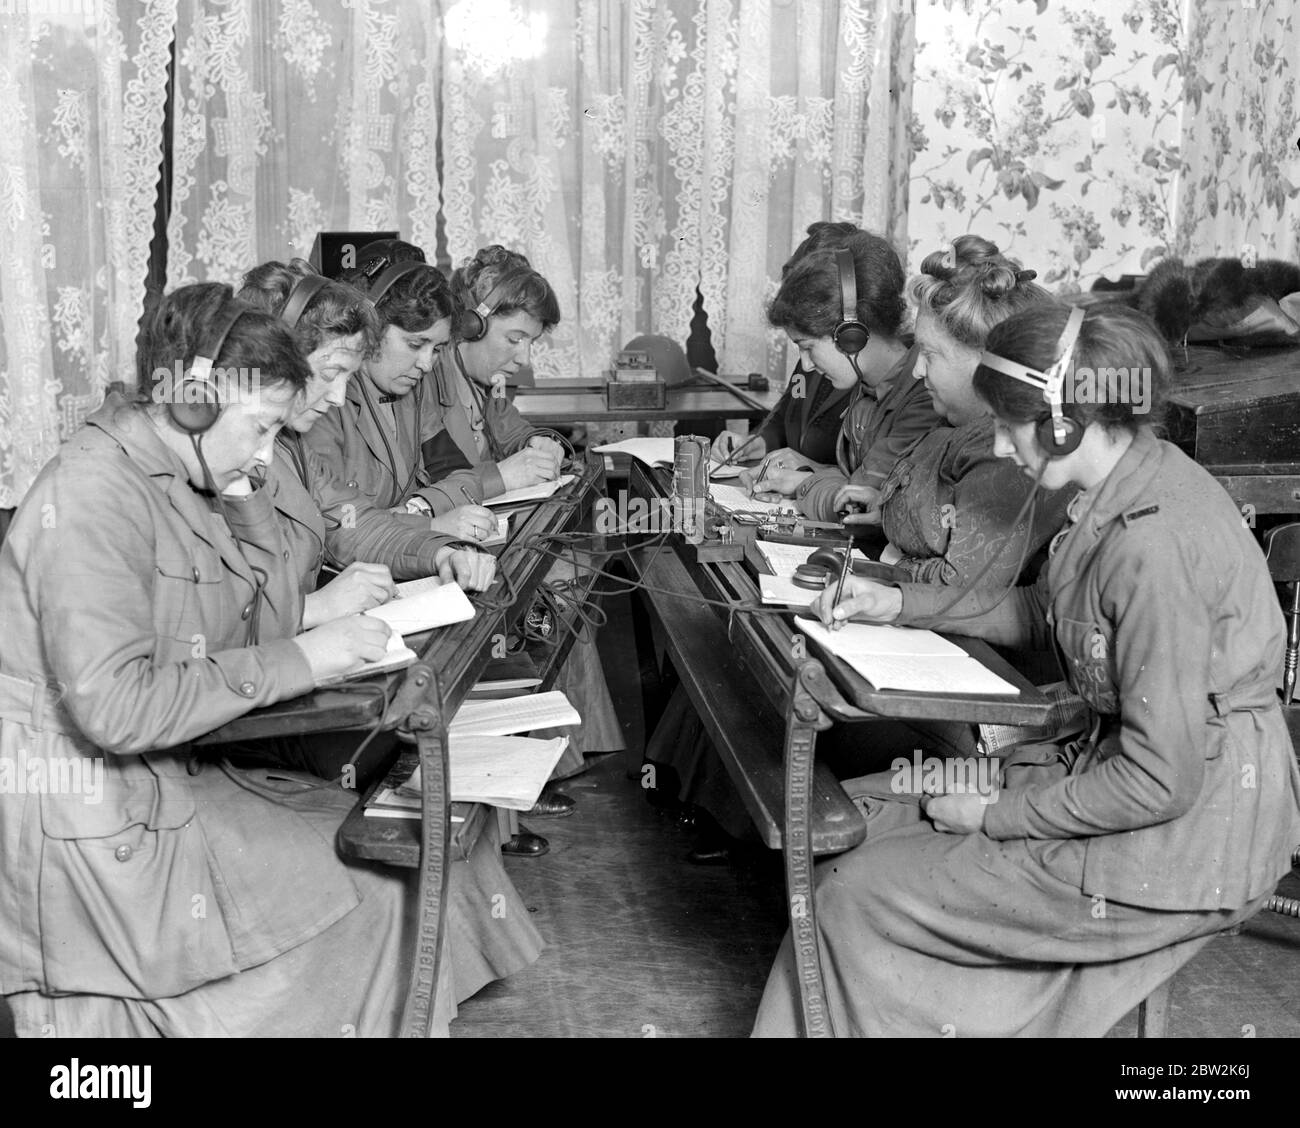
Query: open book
x=906, y=658
x=783, y=559
x=502, y=771
x=733, y=498
x=503, y=717
x=398, y=657
x=424, y=604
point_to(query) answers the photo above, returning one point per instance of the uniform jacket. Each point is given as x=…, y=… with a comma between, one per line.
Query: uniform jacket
x=325, y=519
x=875, y=433
x=1168, y=626
x=950, y=506
x=809, y=423
x=123, y=600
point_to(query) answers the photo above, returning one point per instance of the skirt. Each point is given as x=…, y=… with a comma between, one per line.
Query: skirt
x=926, y=934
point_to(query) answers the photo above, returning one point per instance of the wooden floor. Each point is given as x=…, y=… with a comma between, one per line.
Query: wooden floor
x=641, y=943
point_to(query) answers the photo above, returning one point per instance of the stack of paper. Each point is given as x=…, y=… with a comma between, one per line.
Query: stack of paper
x=502, y=771
x=514, y=714
x=783, y=559
x=643, y=449
x=904, y=658
x=424, y=604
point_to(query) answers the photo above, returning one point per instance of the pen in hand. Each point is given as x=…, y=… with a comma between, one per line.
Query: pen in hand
x=762, y=472
x=468, y=496
x=839, y=586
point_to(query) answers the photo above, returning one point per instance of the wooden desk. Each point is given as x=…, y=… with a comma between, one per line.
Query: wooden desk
x=418, y=703
x=762, y=702
x=686, y=402
x=1239, y=417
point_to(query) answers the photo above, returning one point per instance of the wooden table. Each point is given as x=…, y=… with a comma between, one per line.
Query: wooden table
x=690, y=402
x=762, y=701
x=418, y=704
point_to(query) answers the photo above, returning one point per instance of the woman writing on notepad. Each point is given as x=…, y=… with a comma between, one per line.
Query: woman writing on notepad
x=325, y=519
x=1111, y=854
x=841, y=304
x=147, y=600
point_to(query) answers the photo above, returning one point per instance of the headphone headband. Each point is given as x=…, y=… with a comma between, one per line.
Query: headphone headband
x=201, y=368
x=391, y=275
x=300, y=298
x=1052, y=381
x=848, y=284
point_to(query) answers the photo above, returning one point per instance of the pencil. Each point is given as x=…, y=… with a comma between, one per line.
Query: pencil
x=468, y=496
x=844, y=573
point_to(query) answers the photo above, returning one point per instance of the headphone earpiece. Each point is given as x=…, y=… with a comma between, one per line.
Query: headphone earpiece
x=1071, y=435
x=472, y=324
x=850, y=335
x=195, y=404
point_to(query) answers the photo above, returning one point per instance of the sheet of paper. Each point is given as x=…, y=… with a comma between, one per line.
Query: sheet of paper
x=781, y=590
x=505, y=716
x=733, y=498
x=642, y=448
x=783, y=559
x=718, y=472
x=904, y=658
x=503, y=771
x=398, y=657
x=423, y=605
x=539, y=492
x=501, y=535
x=880, y=640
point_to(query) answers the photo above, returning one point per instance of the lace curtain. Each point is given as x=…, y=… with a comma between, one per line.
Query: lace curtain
x=1241, y=147
x=294, y=117
x=638, y=150
x=81, y=91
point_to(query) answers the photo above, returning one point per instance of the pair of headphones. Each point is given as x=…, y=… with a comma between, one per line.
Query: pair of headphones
x=1058, y=435
x=300, y=297
x=850, y=335
x=383, y=272
x=195, y=403
x=472, y=324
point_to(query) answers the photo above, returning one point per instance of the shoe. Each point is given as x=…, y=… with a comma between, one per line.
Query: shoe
x=552, y=805
x=710, y=854
x=525, y=844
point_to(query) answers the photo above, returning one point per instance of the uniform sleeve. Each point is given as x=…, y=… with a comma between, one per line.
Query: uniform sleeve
x=1162, y=633
x=96, y=616
x=357, y=530
x=981, y=523
x=913, y=418
x=511, y=429
x=1018, y=622
x=477, y=482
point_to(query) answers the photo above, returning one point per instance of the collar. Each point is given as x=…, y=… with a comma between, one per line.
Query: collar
x=900, y=373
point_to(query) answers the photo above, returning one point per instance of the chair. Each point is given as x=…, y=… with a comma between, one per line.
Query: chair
x=1282, y=554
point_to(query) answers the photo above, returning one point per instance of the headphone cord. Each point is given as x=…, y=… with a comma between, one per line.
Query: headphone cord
x=395, y=499
x=260, y=577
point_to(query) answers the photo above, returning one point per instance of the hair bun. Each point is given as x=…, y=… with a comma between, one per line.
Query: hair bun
x=997, y=277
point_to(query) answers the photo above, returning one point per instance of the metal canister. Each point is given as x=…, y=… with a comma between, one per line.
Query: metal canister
x=690, y=485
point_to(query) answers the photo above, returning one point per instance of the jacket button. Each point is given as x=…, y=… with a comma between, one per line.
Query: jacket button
x=352, y=485
x=244, y=614
x=286, y=554
x=196, y=575
x=123, y=853
x=248, y=689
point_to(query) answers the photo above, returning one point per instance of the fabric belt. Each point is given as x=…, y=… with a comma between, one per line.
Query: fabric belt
x=1246, y=699
x=35, y=704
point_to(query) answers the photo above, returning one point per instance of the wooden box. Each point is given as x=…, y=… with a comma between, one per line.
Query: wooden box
x=636, y=395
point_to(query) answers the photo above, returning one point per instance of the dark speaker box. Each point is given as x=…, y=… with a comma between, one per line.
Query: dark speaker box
x=333, y=252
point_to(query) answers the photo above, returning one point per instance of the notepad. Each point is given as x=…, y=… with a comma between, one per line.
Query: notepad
x=730, y=497
x=539, y=492
x=906, y=658
x=424, y=604
x=511, y=715
x=717, y=472
x=502, y=771
x=501, y=535
x=783, y=591
x=643, y=448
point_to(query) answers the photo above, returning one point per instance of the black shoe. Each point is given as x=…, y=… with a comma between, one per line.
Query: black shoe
x=525, y=844
x=552, y=805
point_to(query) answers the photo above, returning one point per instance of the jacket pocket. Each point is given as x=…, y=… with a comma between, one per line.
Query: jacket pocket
x=187, y=589
x=1088, y=653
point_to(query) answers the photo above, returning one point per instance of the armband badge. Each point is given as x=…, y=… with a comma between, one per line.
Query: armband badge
x=1134, y=514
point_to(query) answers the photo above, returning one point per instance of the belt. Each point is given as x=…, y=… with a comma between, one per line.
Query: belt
x=35, y=704
x=1246, y=699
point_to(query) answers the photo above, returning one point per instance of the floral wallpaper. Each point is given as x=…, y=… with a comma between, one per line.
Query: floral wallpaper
x=1052, y=127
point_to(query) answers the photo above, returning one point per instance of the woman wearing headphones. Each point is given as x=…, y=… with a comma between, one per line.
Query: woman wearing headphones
x=1110, y=855
x=146, y=601
x=842, y=307
x=954, y=513
x=335, y=328
x=381, y=439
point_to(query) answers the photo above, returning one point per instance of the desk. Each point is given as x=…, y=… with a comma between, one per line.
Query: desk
x=756, y=693
x=691, y=402
x=418, y=703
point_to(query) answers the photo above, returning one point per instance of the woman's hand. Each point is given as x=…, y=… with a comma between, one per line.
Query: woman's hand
x=357, y=588
x=859, y=504
x=466, y=522
x=729, y=441
x=343, y=645
x=956, y=814
x=473, y=570
x=775, y=483
x=546, y=445
x=878, y=602
x=530, y=467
